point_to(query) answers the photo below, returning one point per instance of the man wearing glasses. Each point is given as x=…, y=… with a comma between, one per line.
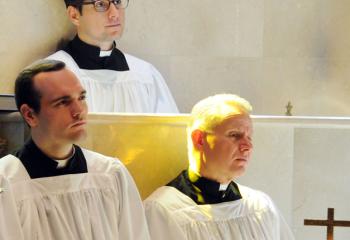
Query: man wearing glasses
x=115, y=82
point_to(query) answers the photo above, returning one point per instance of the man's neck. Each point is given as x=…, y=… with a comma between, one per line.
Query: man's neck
x=53, y=150
x=220, y=178
x=104, y=46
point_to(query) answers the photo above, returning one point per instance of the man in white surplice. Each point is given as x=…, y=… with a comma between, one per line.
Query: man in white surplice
x=115, y=82
x=204, y=202
x=51, y=189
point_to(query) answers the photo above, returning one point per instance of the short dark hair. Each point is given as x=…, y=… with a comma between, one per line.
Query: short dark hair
x=75, y=3
x=25, y=92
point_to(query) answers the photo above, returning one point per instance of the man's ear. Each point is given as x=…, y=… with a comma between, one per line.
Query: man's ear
x=73, y=15
x=198, y=138
x=29, y=115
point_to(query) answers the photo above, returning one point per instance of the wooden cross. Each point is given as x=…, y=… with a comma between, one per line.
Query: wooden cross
x=330, y=223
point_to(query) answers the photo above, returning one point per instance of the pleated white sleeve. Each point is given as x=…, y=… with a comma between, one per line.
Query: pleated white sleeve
x=103, y=204
x=132, y=221
x=10, y=227
x=165, y=101
x=173, y=215
x=142, y=89
x=161, y=224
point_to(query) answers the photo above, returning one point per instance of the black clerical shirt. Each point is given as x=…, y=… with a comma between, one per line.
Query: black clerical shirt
x=38, y=165
x=203, y=190
x=88, y=56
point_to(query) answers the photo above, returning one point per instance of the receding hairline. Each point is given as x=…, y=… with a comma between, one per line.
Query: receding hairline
x=48, y=75
x=212, y=110
x=219, y=101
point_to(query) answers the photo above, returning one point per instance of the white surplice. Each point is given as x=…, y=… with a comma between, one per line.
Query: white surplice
x=172, y=215
x=103, y=204
x=142, y=89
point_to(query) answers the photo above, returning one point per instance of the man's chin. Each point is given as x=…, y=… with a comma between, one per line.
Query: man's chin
x=238, y=171
x=79, y=136
x=115, y=35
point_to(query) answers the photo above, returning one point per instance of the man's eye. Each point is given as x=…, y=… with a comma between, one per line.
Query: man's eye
x=100, y=4
x=62, y=103
x=234, y=135
x=82, y=97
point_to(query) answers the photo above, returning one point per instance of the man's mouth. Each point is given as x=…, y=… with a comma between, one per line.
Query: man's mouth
x=242, y=159
x=113, y=25
x=78, y=123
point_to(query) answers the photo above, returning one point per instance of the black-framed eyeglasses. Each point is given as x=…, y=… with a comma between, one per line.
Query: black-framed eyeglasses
x=103, y=5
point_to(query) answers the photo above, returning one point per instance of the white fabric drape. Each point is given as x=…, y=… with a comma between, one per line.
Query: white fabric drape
x=172, y=215
x=102, y=204
x=142, y=89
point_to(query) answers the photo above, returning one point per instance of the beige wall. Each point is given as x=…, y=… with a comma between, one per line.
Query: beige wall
x=269, y=51
x=29, y=30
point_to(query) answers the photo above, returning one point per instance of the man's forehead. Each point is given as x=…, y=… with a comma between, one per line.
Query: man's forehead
x=60, y=78
x=236, y=121
x=57, y=83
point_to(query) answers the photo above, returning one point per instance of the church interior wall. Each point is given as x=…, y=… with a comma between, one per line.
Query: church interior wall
x=30, y=30
x=268, y=51
x=321, y=179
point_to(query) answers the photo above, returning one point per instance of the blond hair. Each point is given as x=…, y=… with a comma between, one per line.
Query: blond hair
x=210, y=112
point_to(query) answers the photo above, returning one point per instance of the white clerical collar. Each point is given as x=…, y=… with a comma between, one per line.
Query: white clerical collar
x=106, y=53
x=223, y=187
x=63, y=162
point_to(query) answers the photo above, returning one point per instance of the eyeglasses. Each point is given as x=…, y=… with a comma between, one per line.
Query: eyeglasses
x=103, y=5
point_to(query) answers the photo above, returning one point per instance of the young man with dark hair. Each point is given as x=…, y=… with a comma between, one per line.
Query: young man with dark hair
x=52, y=188
x=116, y=82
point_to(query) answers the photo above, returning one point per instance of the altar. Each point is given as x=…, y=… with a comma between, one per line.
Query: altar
x=303, y=163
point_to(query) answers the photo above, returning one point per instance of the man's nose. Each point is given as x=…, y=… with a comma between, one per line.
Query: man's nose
x=113, y=11
x=77, y=109
x=246, y=145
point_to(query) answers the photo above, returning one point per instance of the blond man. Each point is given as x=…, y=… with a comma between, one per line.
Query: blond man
x=204, y=201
